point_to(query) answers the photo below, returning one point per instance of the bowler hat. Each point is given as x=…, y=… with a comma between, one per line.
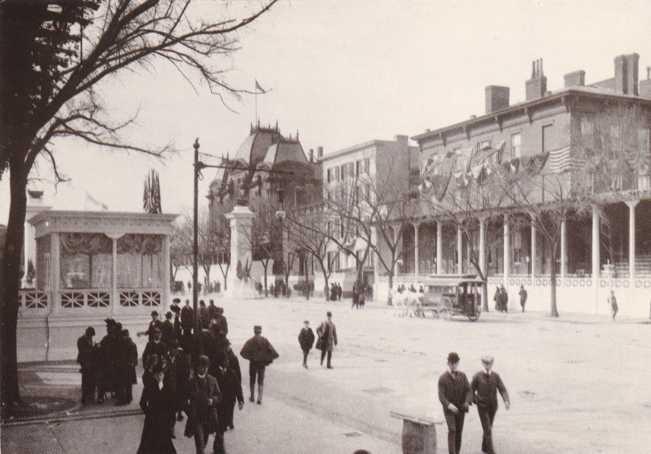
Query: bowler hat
x=204, y=361
x=487, y=359
x=154, y=313
x=453, y=358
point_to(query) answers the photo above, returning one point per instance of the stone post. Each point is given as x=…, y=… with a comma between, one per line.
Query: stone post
x=240, y=220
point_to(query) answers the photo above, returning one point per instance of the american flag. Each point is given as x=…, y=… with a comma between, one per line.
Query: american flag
x=561, y=160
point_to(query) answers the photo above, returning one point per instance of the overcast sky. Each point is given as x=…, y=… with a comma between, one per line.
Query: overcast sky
x=343, y=72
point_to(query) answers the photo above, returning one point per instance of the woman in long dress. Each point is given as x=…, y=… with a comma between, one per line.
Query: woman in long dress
x=158, y=404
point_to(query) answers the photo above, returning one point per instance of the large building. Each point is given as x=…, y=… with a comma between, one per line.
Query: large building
x=587, y=135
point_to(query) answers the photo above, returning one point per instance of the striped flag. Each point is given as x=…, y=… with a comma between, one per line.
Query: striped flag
x=561, y=160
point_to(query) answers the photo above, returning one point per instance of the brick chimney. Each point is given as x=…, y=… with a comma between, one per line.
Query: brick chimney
x=319, y=153
x=645, y=85
x=575, y=79
x=536, y=87
x=311, y=154
x=497, y=98
x=626, y=74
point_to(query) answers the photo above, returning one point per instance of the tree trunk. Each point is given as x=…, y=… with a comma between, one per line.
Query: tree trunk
x=325, y=279
x=553, y=310
x=11, y=282
x=265, y=263
x=390, y=299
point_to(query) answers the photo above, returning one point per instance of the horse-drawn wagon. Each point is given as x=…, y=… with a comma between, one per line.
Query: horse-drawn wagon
x=452, y=295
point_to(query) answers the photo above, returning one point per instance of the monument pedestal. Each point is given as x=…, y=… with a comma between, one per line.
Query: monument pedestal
x=240, y=221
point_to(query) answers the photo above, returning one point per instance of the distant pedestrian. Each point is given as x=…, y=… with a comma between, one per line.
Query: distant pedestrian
x=612, y=302
x=220, y=320
x=157, y=402
x=203, y=315
x=167, y=329
x=187, y=318
x=327, y=332
x=504, y=299
x=126, y=368
x=230, y=382
x=523, y=297
x=355, y=296
x=155, y=347
x=212, y=310
x=455, y=396
x=306, y=341
x=484, y=386
x=203, y=419
x=87, y=367
x=340, y=291
x=155, y=323
x=497, y=297
x=260, y=353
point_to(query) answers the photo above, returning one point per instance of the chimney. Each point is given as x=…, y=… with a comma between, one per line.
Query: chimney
x=575, y=79
x=645, y=85
x=311, y=154
x=401, y=139
x=536, y=87
x=626, y=74
x=319, y=153
x=497, y=98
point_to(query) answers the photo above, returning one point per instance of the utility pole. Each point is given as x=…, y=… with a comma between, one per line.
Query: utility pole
x=195, y=239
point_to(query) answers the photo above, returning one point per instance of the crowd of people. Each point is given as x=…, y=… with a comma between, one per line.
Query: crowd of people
x=185, y=371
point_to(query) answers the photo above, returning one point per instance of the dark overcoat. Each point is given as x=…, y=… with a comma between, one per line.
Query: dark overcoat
x=158, y=406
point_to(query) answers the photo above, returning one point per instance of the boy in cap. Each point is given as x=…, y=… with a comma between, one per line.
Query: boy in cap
x=455, y=396
x=260, y=353
x=306, y=341
x=484, y=386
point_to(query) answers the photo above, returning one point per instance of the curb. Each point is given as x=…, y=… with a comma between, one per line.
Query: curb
x=71, y=417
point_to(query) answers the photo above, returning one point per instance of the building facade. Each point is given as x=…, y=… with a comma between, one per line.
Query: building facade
x=594, y=140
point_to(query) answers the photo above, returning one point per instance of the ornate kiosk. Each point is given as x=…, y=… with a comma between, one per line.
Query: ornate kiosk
x=91, y=266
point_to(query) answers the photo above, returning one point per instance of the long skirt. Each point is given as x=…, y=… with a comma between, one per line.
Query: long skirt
x=156, y=436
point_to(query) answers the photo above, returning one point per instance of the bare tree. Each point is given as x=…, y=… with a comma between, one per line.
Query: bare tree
x=50, y=93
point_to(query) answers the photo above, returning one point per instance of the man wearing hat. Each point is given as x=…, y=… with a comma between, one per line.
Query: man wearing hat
x=202, y=419
x=127, y=360
x=306, y=340
x=167, y=328
x=455, y=396
x=484, y=386
x=155, y=346
x=260, y=353
x=155, y=323
x=327, y=332
x=85, y=360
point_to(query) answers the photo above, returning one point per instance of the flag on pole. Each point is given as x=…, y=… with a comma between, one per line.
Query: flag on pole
x=561, y=160
x=258, y=87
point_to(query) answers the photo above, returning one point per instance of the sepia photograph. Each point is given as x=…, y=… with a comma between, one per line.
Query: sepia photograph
x=348, y=226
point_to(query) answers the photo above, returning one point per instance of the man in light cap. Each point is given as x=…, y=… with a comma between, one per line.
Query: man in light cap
x=260, y=353
x=485, y=385
x=455, y=396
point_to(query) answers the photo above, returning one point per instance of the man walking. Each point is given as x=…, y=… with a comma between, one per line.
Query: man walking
x=306, y=341
x=126, y=364
x=523, y=296
x=612, y=302
x=327, y=332
x=260, y=353
x=85, y=360
x=187, y=318
x=204, y=398
x=484, y=386
x=455, y=396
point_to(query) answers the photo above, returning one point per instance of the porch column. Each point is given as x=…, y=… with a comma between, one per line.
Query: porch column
x=631, y=237
x=563, y=247
x=115, y=297
x=459, y=251
x=482, y=245
x=533, y=251
x=439, y=247
x=507, y=248
x=166, y=272
x=55, y=273
x=416, y=225
x=596, y=256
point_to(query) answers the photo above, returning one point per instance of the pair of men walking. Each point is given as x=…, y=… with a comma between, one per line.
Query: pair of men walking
x=456, y=395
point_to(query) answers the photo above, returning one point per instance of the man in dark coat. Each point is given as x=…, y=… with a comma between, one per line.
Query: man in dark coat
x=85, y=360
x=505, y=299
x=154, y=324
x=260, y=353
x=204, y=398
x=187, y=318
x=456, y=396
x=167, y=329
x=523, y=297
x=212, y=310
x=127, y=360
x=306, y=341
x=178, y=330
x=327, y=332
x=157, y=402
x=155, y=347
x=203, y=315
x=107, y=374
x=229, y=378
x=222, y=323
x=180, y=366
x=484, y=386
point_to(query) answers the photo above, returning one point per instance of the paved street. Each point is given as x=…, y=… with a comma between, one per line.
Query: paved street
x=572, y=383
